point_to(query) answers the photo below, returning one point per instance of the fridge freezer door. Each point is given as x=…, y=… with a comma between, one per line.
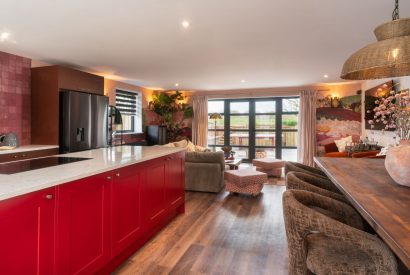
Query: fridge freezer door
x=76, y=121
x=99, y=121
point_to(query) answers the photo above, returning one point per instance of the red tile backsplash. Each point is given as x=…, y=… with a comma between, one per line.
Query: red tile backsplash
x=15, y=96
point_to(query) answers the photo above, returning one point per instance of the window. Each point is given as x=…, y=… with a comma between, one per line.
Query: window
x=256, y=128
x=130, y=105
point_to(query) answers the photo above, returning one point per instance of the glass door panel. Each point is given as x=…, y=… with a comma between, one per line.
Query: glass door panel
x=265, y=153
x=239, y=138
x=265, y=107
x=289, y=139
x=219, y=137
x=266, y=139
x=239, y=122
x=265, y=122
x=256, y=128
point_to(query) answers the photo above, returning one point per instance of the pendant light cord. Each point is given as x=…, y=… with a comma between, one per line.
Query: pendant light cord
x=396, y=11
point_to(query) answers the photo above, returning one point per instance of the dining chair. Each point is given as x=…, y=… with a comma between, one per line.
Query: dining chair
x=313, y=183
x=291, y=166
x=325, y=236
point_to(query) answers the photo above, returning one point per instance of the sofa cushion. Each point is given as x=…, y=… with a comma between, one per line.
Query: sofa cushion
x=181, y=144
x=341, y=143
x=190, y=147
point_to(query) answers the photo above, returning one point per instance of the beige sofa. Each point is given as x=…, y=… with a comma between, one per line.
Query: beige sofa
x=204, y=171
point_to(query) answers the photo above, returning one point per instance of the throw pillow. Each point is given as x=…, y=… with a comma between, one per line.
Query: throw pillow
x=169, y=145
x=183, y=143
x=200, y=149
x=341, y=143
x=190, y=147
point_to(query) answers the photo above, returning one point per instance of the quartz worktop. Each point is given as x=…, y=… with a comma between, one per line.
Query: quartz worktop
x=27, y=148
x=102, y=160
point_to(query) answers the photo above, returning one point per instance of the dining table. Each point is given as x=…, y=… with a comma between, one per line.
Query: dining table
x=383, y=203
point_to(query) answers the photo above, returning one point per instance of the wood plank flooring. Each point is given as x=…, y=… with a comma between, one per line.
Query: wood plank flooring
x=218, y=234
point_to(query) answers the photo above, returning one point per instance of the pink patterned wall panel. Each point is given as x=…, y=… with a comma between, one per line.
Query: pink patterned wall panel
x=15, y=96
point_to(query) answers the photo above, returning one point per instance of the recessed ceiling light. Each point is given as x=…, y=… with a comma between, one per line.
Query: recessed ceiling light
x=176, y=84
x=4, y=36
x=185, y=24
x=243, y=81
x=325, y=76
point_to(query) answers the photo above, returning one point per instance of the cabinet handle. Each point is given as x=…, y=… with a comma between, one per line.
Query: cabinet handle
x=15, y=156
x=118, y=174
x=109, y=178
x=23, y=155
x=49, y=196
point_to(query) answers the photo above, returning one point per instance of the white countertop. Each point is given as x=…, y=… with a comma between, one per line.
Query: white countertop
x=26, y=148
x=103, y=160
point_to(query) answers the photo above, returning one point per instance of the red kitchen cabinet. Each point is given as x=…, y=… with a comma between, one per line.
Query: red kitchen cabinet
x=83, y=223
x=27, y=230
x=174, y=189
x=126, y=207
x=153, y=190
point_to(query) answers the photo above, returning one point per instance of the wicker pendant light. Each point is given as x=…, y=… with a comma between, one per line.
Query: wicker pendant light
x=389, y=57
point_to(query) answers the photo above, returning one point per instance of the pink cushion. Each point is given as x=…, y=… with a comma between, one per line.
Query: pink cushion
x=245, y=177
x=268, y=163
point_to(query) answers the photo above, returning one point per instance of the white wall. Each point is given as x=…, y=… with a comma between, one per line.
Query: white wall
x=386, y=137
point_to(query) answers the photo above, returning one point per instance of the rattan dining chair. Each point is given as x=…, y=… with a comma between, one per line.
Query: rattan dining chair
x=325, y=237
x=313, y=183
x=291, y=166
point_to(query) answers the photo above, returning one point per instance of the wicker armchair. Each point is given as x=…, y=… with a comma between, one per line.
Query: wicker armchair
x=320, y=243
x=315, y=184
x=299, y=167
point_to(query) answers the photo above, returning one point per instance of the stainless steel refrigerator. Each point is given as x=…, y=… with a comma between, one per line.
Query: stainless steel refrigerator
x=83, y=121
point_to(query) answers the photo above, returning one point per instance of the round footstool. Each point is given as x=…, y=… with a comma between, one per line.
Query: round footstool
x=245, y=181
x=270, y=166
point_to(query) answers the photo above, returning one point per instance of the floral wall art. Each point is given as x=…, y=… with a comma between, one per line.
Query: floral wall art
x=337, y=117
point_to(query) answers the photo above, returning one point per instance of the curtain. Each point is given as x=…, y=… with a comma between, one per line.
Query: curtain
x=307, y=128
x=200, y=120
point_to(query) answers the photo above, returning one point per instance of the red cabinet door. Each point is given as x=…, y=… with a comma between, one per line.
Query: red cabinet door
x=26, y=233
x=125, y=207
x=174, y=190
x=83, y=225
x=153, y=190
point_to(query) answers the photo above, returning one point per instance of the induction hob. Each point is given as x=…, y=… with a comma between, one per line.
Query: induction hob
x=15, y=167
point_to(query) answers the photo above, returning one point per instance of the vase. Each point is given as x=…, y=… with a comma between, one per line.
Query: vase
x=397, y=163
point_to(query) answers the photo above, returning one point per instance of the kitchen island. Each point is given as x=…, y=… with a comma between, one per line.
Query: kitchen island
x=88, y=216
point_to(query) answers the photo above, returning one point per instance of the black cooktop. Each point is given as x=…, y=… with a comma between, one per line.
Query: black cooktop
x=33, y=164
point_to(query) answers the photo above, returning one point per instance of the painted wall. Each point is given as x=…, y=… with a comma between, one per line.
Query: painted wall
x=15, y=96
x=383, y=138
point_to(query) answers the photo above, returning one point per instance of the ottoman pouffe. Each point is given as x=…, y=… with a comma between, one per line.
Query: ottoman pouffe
x=270, y=166
x=245, y=181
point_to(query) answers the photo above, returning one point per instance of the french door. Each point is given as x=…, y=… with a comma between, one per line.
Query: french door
x=255, y=128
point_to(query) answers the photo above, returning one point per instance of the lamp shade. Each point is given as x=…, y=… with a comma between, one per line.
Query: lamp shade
x=215, y=116
x=389, y=57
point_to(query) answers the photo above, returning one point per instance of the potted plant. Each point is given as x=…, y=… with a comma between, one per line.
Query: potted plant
x=166, y=105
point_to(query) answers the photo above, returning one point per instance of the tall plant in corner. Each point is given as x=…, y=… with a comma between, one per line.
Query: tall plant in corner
x=165, y=105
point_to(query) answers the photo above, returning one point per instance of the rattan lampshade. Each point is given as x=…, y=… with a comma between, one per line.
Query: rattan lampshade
x=389, y=57
x=215, y=116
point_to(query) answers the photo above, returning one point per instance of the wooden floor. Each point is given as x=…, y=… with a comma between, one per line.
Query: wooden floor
x=219, y=234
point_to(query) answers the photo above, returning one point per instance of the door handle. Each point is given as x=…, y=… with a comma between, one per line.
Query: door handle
x=118, y=174
x=109, y=178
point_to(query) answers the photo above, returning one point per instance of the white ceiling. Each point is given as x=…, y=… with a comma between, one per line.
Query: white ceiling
x=268, y=43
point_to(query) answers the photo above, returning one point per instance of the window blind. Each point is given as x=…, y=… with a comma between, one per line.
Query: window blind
x=126, y=102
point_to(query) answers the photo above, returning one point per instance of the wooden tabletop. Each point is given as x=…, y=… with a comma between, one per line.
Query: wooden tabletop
x=383, y=203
